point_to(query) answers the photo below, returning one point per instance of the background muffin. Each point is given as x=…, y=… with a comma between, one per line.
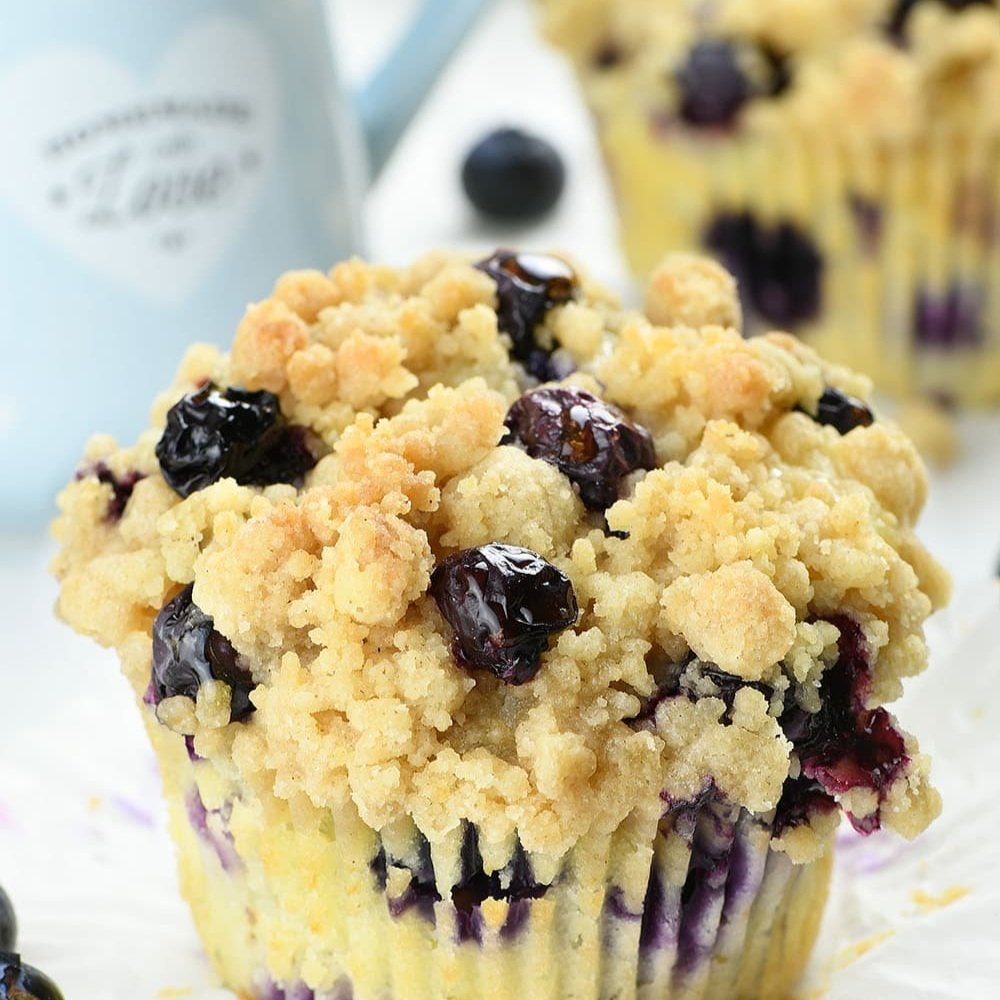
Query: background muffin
x=841, y=158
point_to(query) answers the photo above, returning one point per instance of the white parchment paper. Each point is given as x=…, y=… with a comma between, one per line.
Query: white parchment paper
x=85, y=855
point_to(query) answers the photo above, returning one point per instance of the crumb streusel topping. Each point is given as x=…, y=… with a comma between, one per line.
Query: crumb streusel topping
x=760, y=551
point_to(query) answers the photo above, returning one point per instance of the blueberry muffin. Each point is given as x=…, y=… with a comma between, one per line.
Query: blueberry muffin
x=497, y=642
x=841, y=157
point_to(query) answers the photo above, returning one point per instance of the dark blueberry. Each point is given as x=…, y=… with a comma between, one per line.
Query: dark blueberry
x=901, y=12
x=187, y=651
x=212, y=434
x=121, y=488
x=801, y=798
x=951, y=319
x=528, y=286
x=608, y=55
x=510, y=174
x=846, y=745
x=838, y=409
x=713, y=84
x=8, y=923
x=778, y=267
x=868, y=219
x=21, y=982
x=503, y=603
x=589, y=441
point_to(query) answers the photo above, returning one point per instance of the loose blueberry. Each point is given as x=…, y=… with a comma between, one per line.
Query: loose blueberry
x=846, y=745
x=592, y=443
x=22, y=982
x=900, y=15
x=121, y=488
x=950, y=319
x=512, y=175
x=778, y=267
x=503, y=603
x=712, y=83
x=8, y=923
x=838, y=409
x=188, y=651
x=213, y=433
x=528, y=286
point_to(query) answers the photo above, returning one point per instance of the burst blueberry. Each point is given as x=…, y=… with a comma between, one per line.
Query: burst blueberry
x=19, y=981
x=528, y=286
x=846, y=745
x=513, y=175
x=503, y=603
x=594, y=444
x=188, y=651
x=8, y=923
x=212, y=434
x=842, y=411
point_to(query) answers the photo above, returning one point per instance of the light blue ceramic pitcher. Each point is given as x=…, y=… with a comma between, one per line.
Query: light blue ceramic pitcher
x=163, y=161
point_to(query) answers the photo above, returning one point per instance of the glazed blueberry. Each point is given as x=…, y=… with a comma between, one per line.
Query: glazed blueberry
x=8, y=923
x=513, y=175
x=778, y=268
x=503, y=603
x=589, y=441
x=528, y=286
x=838, y=409
x=901, y=12
x=121, y=488
x=846, y=745
x=713, y=85
x=213, y=433
x=188, y=651
x=22, y=982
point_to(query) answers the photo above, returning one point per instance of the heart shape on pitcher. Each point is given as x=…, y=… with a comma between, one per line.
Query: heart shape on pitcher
x=146, y=181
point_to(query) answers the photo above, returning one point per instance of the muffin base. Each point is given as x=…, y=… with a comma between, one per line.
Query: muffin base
x=695, y=907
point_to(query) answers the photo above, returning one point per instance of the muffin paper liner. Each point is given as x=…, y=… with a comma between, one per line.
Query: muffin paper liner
x=908, y=231
x=85, y=856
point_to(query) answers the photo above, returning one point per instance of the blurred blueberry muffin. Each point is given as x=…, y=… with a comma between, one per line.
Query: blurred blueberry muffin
x=842, y=158
x=495, y=641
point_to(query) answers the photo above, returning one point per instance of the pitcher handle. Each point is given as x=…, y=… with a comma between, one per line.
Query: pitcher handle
x=391, y=97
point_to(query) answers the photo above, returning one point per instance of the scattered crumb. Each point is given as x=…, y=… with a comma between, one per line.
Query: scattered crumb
x=849, y=955
x=928, y=902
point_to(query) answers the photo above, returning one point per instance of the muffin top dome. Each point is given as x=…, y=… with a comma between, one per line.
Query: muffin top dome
x=885, y=69
x=467, y=541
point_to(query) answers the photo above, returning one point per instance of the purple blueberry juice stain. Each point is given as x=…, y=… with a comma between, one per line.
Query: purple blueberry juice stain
x=222, y=843
x=949, y=319
x=193, y=754
x=121, y=487
x=704, y=890
x=801, y=799
x=846, y=745
x=133, y=811
x=615, y=905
